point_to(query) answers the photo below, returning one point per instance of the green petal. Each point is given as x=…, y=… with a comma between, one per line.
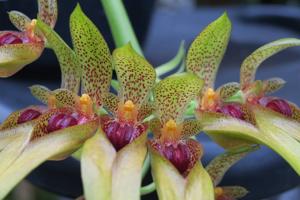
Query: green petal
x=48, y=11
x=252, y=62
x=219, y=165
x=170, y=184
x=93, y=54
x=145, y=111
x=207, y=50
x=70, y=71
x=227, y=90
x=65, y=97
x=135, y=74
x=191, y=127
x=111, y=102
x=56, y=144
x=272, y=85
x=108, y=174
x=14, y=57
x=155, y=126
x=40, y=92
x=173, y=94
x=19, y=20
x=235, y=192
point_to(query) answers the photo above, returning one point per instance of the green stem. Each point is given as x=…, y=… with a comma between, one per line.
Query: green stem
x=146, y=166
x=147, y=189
x=120, y=24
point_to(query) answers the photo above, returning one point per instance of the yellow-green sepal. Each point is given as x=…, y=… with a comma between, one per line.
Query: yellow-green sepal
x=108, y=174
x=170, y=184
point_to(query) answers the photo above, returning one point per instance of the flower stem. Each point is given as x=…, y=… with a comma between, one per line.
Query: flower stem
x=148, y=189
x=120, y=24
x=146, y=166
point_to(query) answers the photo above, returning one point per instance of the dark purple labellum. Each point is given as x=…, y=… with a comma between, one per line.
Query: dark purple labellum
x=10, y=38
x=121, y=133
x=281, y=106
x=28, y=115
x=233, y=110
x=61, y=120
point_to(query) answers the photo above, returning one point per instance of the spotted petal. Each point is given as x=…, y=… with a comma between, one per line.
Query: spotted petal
x=40, y=92
x=19, y=20
x=272, y=85
x=135, y=74
x=70, y=70
x=227, y=90
x=108, y=174
x=111, y=102
x=13, y=57
x=173, y=94
x=170, y=184
x=55, y=144
x=207, y=50
x=48, y=11
x=252, y=62
x=219, y=165
x=93, y=54
x=235, y=192
x=191, y=127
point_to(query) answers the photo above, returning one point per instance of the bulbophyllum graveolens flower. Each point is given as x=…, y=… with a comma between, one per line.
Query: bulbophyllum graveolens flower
x=175, y=158
x=18, y=49
x=238, y=114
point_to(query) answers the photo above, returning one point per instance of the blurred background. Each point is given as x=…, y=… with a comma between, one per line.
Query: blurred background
x=160, y=26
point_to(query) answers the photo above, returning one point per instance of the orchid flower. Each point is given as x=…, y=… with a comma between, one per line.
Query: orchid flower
x=18, y=49
x=175, y=158
x=220, y=165
x=113, y=171
x=255, y=118
x=68, y=120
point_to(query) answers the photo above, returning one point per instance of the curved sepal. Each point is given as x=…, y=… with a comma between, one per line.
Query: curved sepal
x=70, y=71
x=14, y=57
x=220, y=164
x=56, y=144
x=234, y=192
x=111, y=102
x=252, y=62
x=108, y=174
x=93, y=54
x=145, y=111
x=227, y=90
x=170, y=184
x=173, y=94
x=41, y=93
x=48, y=11
x=191, y=127
x=207, y=50
x=19, y=20
x=135, y=74
x=272, y=85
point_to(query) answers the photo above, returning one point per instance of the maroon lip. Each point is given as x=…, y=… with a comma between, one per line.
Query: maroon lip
x=28, y=115
x=10, y=38
x=233, y=110
x=280, y=106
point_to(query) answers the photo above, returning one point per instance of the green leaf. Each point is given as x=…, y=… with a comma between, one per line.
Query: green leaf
x=207, y=50
x=70, y=71
x=48, y=11
x=135, y=74
x=272, y=85
x=173, y=94
x=56, y=144
x=19, y=20
x=170, y=184
x=108, y=174
x=220, y=164
x=227, y=90
x=93, y=54
x=252, y=62
x=14, y=57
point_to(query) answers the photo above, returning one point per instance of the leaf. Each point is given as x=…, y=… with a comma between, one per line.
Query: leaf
x=173, y=94
x=41, y=93
x=170, y=184
x=70, y=71
x=93, y=54
x=135, y=74
x=252, y=62
x=220, y=164
x=19, y=20
x=272, y=85
x=207, y=50
x=14, y=57
x=108, y=174
x=52, y=145
x=227, y=90
x=48, y=11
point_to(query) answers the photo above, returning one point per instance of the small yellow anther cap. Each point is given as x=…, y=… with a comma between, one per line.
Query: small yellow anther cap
x=129, y=106
x=218, y=191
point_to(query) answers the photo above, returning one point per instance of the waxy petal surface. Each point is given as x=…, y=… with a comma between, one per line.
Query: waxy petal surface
x=19, y=20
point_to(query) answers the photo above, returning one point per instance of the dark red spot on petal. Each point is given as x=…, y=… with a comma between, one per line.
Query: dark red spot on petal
x=281, y=106
x=28, y=115
x=121, y=133
x=233, y=110
x=10, y=38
